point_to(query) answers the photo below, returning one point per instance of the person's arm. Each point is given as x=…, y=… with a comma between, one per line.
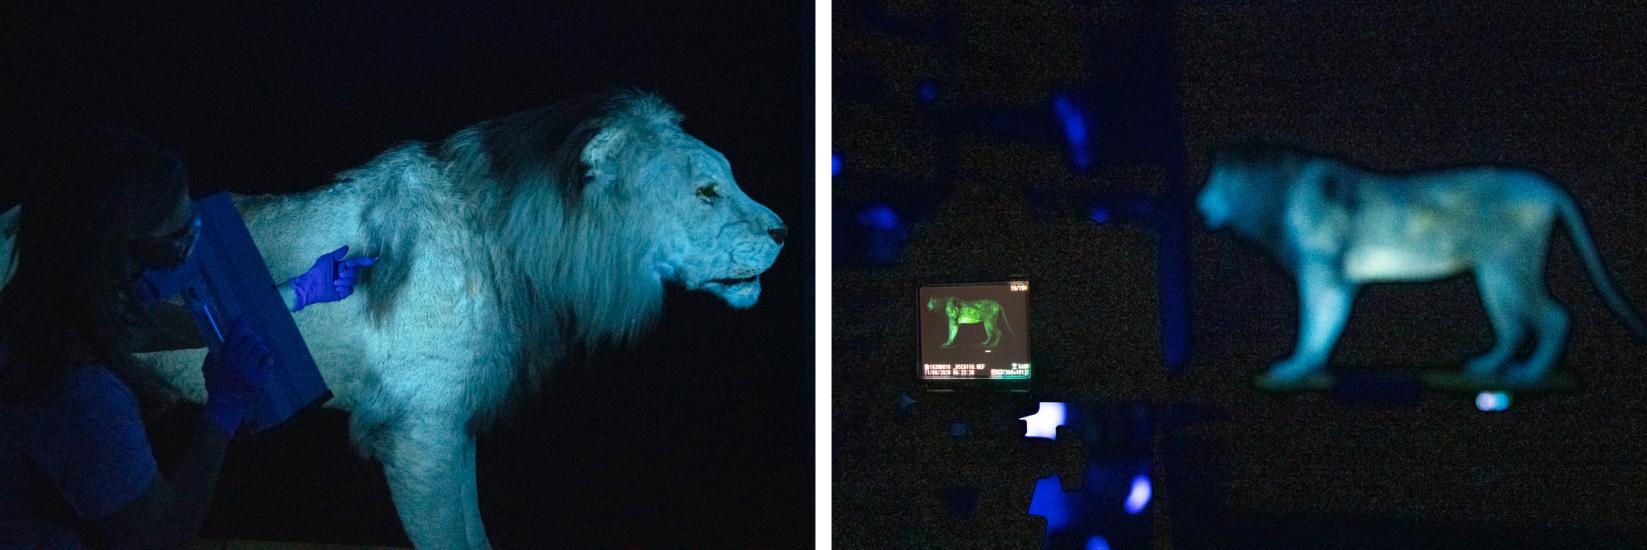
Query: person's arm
x=288, y=295
x=168, y=514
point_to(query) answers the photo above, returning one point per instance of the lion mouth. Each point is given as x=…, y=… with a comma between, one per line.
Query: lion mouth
x=734, y=281
x=739, y=292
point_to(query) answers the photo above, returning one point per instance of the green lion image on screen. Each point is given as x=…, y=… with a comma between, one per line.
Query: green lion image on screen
x=970, y=312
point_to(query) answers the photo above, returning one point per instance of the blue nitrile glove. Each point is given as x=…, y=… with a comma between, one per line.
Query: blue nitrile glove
x=332, y=278
x=235, y=377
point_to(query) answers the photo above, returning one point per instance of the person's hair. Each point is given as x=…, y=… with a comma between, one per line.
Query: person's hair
x=68, y=302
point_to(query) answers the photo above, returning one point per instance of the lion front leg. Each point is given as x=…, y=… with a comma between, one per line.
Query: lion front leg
x=429, y=464
x=953, y=328
x=1324, y=300
x=476, y=530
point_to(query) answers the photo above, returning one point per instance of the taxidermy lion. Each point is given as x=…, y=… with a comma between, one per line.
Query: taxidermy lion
x=970, y=312
x=498, y=249
x=1337, y=226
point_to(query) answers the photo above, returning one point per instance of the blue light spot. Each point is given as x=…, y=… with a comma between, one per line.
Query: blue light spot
x=1492, y=401
x=1045, y=422
x=835, y=164
x=1097, y=543
x=1100, y=214
x=879, y=217
x=1139, y=497
x=926, y=91
x=1051, y=503
x=1075, y=130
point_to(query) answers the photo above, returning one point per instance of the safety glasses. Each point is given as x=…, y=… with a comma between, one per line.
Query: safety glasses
x=168, y=251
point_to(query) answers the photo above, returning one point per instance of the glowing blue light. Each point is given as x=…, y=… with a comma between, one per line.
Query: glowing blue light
x=879, y=217
x=1075, y=130
x=1097, y=543
x=1491, y=401
x=1051, y=503
x=926, y=91
x=835, y=164
x=1139, y=497
x=1045, y=421
x=1100, y=214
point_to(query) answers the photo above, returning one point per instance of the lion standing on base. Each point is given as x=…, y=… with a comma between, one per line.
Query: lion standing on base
x=498, y=249
x=971, y=312
x=1336, y=227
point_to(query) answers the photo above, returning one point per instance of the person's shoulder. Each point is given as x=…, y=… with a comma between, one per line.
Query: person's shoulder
x=95, y=384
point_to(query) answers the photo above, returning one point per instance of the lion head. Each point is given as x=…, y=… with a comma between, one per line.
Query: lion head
x=710, y=236
x=704, y=232
x=1245, y=187
x=601, y=201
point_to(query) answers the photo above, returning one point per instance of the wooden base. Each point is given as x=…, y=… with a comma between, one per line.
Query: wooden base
x=1554, y=381
x=1447, y=379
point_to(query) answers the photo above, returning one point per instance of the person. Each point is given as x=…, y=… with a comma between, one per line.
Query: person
x=111, y=215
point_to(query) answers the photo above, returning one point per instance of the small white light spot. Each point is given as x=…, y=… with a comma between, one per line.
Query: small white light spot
x=1492, y=401
x=1045, y=422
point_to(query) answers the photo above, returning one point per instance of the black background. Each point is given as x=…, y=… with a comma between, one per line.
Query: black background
x=698, y=435
x=1560, y=89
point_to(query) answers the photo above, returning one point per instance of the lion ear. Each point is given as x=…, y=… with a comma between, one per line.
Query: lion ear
x=598, y=154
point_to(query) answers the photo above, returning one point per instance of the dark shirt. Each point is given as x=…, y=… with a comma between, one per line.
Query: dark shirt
x=84, y=446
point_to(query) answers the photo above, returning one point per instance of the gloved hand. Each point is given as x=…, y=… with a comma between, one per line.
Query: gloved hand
x=332, y=278
x=235, y=377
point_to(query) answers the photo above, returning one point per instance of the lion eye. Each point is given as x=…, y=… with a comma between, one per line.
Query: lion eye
x=708, y=191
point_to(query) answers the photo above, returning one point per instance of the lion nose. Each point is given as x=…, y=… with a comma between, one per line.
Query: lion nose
x=778, y=234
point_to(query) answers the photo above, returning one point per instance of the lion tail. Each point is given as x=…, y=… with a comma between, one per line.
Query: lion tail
x=8, y=242
x=1598, y=272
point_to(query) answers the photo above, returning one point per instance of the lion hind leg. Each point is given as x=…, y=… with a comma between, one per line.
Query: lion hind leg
x=424, y=462
x=1504, y=296
x=1551, y=321
x=992, y=335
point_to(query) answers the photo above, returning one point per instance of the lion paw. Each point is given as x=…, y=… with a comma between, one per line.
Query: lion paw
x=1524, y=377
x=1483, y=367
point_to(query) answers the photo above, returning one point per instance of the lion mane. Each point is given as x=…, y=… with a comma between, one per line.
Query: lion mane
x=1259, y=212
x=551, y=253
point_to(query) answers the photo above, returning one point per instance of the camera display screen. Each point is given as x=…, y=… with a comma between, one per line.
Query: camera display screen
x=975, y=331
